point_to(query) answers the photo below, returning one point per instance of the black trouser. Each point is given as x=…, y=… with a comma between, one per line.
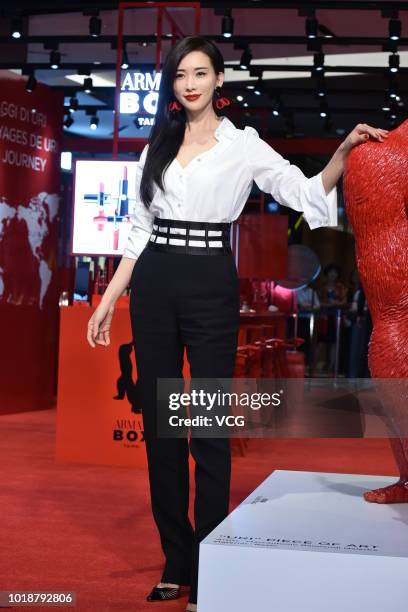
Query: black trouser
x=182, y=300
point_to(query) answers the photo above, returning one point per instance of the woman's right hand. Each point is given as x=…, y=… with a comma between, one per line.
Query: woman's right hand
x=99, y=326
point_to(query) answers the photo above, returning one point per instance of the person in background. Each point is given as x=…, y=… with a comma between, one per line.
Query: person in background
x=348, y=321
x=361, y=328
x=308, y=303
x=333, y=295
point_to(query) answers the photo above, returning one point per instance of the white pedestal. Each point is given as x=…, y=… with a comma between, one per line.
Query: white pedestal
x=308, y=542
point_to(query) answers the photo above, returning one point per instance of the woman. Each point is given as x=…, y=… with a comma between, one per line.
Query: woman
x=195, y=177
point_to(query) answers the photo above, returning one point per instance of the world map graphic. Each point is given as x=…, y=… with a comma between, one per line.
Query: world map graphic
x=37, y=218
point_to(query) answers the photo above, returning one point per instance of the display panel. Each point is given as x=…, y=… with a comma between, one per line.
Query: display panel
x=103, y=200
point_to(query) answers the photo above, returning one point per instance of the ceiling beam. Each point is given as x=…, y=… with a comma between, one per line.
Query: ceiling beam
x=254, y=69
x=238, y=41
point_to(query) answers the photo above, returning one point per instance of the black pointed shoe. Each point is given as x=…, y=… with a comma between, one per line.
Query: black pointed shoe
x=163, y=593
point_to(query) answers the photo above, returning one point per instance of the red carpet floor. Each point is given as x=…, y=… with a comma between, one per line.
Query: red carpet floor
x=89, y=529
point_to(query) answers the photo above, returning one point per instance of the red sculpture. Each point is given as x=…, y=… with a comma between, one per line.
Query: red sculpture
x=376, y=194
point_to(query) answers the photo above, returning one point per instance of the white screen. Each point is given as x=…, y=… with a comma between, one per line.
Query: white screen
x=101, y=229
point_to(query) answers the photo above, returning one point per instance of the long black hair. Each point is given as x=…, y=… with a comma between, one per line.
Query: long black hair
x=167, y=133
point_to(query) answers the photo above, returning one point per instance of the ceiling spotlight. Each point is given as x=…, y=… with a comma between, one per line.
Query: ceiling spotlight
x=246, y=58
x=68, y=121
x=311, y=28
x=88, y=85
x=245, y=104
x=125, y=59
x=94, y=122
x=259, y=87
x=250, y=86
x=321, y=87
x=276, y=109
x=323, y=112
x=95, y=26
x=73, y=104
x=386, y=107
x=325, y=31
x=16, y=28
x=55, y=59
x=227, y=26
x=31, y=83
x=318, y=61
x=240, y=98
x=394, y=29
x=393, y=62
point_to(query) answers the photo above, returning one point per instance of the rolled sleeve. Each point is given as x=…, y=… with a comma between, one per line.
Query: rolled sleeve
x=288, y=185
x=141, y=219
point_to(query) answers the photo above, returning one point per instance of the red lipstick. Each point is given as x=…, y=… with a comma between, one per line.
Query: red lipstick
x=191, y=98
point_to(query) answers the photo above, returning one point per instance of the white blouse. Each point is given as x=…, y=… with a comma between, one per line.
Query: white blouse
x=216, y=184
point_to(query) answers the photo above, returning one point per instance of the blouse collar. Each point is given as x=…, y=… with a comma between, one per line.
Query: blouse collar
x=226, y=129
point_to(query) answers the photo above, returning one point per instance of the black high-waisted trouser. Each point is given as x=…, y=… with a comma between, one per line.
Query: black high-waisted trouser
x=184, y=299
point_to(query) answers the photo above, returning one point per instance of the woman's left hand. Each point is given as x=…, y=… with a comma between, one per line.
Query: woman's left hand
x=362, y=133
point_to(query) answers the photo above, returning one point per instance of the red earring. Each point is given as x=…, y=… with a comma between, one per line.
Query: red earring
x=221, y=102
x=174, y=106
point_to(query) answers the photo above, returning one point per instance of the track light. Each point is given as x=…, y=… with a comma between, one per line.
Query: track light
x=227, y=26
x=73, y=104
x=88, y=85
x=16, y=29
x=31, y=83
x=394, y=29
x=259, y=87
x=318, y=61
x=393, y=62
x=321, y=87
x=325, y=31
x=95, y=26
x=276, y=108
x=94, y=122
x=386, y=107
x=324, y=109
x=68, y=121
x=311, y=28
x=246, y=58
x=55, y=59
x=125, y=60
